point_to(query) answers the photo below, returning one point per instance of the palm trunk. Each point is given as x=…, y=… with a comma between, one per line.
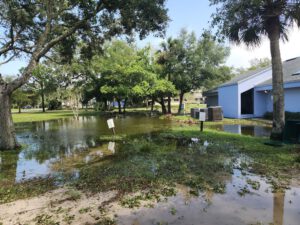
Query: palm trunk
x=180, y=101
x=7, y=131
x=277, y=83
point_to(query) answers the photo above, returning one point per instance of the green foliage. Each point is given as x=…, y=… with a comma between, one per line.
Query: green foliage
x=54, y=105
x=21, y=98
x=128, y=73
x=254, y=64
x=192, y=63
x=249, y=21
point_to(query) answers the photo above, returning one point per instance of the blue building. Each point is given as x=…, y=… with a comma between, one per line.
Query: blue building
x=250, y=94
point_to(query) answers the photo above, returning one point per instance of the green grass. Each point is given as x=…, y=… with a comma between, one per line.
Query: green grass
x=33, y=116
x=190, y=120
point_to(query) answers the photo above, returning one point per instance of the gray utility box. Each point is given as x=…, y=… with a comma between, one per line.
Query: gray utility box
x=211, y=113
x=194, y=111
x=215, y=113
x=202, y=110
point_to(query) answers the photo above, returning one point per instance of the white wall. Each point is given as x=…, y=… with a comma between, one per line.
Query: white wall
x=229, y=100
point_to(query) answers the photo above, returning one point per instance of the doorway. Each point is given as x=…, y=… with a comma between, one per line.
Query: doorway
x=247, y=102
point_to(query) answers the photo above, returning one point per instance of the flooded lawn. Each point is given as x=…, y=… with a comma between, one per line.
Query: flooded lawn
x=81, y=175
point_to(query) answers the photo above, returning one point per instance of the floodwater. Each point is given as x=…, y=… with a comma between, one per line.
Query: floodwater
x=65, y=144
x=257, y=207
x=50, y=141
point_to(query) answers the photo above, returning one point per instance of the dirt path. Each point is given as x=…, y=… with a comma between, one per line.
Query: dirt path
x=61, y=206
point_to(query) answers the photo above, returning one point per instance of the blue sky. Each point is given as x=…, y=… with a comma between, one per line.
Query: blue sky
x=194, y=15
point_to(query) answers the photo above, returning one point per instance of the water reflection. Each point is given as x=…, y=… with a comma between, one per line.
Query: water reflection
x=257, y=131
x=50, y=141
x=258, y=207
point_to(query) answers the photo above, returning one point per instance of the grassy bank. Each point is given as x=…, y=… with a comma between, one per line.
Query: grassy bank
x=187, y=119
x=33, y=116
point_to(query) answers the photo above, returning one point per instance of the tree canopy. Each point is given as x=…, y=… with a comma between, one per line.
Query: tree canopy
x=194, y=63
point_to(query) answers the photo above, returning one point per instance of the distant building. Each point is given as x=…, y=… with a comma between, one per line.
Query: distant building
x=250, y=94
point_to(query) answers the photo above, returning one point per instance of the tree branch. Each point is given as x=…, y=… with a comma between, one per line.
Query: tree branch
x=42, y=48
x=8, y=60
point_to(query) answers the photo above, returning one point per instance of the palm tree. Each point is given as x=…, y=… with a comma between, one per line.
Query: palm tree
x=248, y=21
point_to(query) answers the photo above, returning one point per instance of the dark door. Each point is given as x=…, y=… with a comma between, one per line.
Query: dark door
x=247, y=102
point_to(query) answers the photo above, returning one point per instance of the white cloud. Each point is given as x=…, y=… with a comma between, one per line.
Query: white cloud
x=241, y=55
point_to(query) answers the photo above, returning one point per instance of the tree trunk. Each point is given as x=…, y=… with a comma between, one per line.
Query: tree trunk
x=7, y=131
x=152, y=104
x=119, y=106
x=277, y=84
x=169, y=105
x=124, y=106
x=19, y=109
x=163, y=106
x=180, y=101
x=43, y=97
x=105, y=104
x=169, y=97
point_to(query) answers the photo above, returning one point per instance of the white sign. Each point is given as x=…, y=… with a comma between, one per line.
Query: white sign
x=202, y=116
x=110, y=123
x=111, y=146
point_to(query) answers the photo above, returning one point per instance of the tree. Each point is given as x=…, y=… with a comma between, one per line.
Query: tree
x=250, y=21
x=44, y=81
x=191, y=63
x=34, y=28
x=259, y=63
x=20, y=98
x=155, y=86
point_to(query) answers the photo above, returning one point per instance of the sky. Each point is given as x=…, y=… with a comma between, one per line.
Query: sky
x=194, y=15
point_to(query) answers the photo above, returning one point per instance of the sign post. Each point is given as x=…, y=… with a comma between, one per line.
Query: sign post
x=111, y=125
x=202, y=118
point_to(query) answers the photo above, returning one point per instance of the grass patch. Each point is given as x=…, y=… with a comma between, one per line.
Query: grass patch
x=226, y=121
x=33, y=116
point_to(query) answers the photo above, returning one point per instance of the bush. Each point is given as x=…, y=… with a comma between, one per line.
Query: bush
x=54, y=105
x=288, y=115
